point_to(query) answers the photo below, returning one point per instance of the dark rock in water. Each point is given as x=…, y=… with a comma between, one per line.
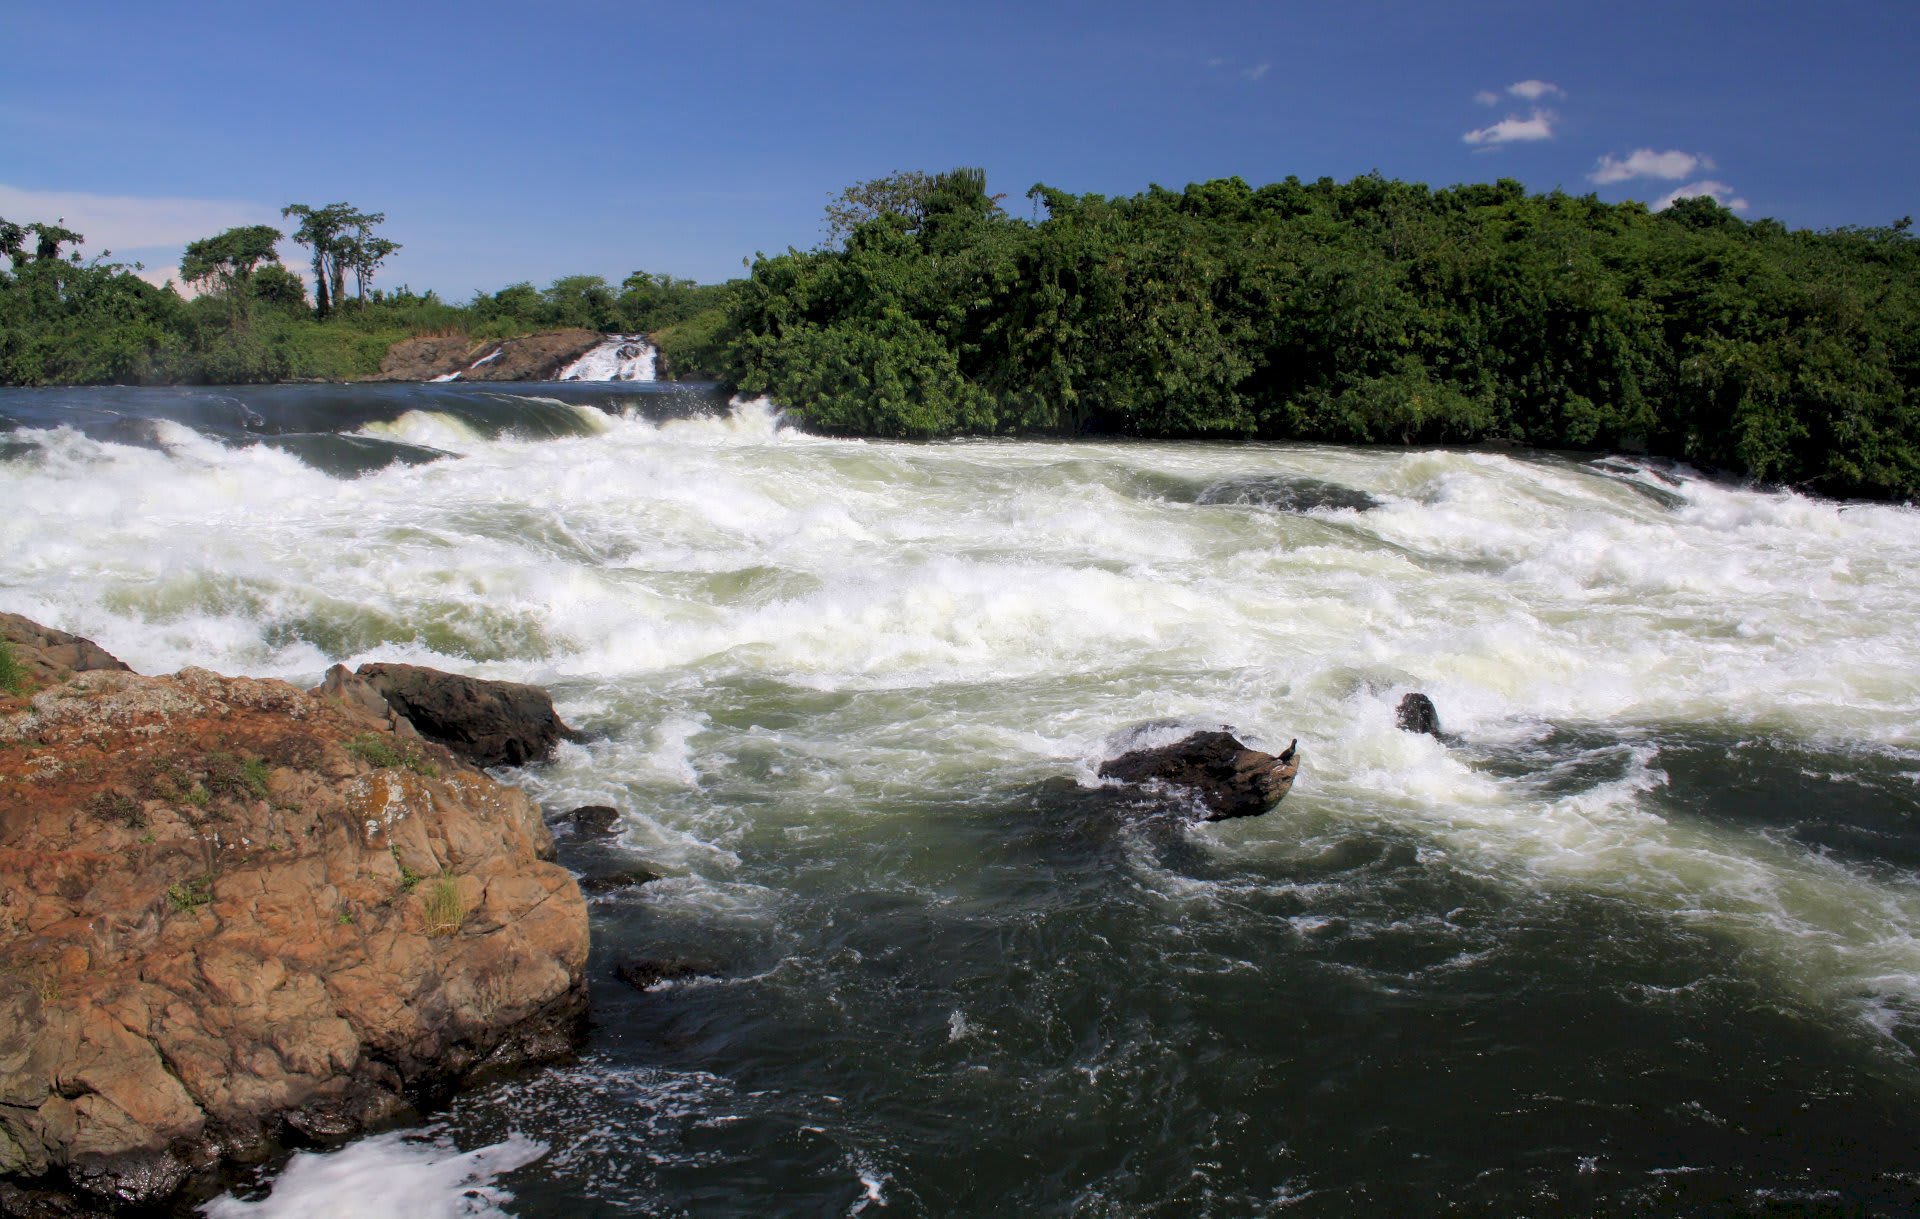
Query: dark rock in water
x=598, y=819
x=1286, y=493
x=1417, y=714
x=490, y=723
x=1230, y=779
x=625, y=878
x=644, y=972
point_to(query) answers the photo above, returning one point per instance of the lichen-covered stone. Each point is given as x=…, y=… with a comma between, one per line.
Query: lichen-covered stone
x=230, y=910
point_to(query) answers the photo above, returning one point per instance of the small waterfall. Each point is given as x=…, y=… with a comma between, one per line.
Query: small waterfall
x=621, y=357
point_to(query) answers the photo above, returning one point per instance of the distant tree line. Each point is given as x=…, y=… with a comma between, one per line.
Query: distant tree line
x=1367, y=311
x=67, y=320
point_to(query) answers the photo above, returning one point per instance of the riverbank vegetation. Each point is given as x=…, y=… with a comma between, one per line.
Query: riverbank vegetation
x=67, y=320
x=1357, y=312
x=1360, y=312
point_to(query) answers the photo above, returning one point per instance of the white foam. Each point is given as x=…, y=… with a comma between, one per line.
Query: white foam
x=619, y=357
x=390, y=1176
x=785, y=636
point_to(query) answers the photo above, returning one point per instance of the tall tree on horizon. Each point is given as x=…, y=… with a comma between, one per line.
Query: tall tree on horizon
x=341, y=239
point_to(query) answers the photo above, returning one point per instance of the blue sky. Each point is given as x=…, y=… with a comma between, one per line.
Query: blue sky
x=523, y=141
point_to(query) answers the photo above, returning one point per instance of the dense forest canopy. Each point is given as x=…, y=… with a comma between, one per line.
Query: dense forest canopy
x=1367, y=311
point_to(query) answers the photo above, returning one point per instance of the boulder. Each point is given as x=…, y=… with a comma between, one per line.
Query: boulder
x=234, y=914
x=594, y=883
x=598, y=820
x=1417, y=714
x=45, y=655
x=1225, y=777
x=489, y=723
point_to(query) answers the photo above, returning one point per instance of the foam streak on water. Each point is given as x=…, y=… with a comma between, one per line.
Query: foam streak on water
x=850, y=696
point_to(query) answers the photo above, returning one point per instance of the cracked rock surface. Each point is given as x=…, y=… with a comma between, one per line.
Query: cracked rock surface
x=235, y=914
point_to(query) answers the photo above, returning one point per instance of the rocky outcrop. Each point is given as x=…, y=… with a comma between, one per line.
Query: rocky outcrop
x=45, y=655
x=489, y=723
x=1223, y=776
x=531, y=357
x=233, y=913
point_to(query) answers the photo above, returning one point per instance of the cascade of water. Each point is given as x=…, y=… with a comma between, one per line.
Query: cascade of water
x=621, y=357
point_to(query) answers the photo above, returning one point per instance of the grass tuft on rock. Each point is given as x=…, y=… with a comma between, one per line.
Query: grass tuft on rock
x=442, y=906
x=13, y=675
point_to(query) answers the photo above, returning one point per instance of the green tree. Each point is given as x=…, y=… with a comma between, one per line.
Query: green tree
x=342, y=240
x=362, y=252
x=226, y=263
x=586, y=301
x=13, y=242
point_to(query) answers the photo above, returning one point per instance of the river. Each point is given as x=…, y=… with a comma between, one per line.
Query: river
x=1639, y=935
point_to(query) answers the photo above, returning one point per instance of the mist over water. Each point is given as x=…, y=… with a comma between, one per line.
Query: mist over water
x=1640, y=935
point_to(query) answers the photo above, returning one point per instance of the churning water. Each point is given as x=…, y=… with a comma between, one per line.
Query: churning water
x=1639, y=936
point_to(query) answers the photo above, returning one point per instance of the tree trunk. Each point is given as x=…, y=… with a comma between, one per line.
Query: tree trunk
x=322, y=305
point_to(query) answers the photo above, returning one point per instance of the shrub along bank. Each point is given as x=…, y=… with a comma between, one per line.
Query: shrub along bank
x=1367, y=311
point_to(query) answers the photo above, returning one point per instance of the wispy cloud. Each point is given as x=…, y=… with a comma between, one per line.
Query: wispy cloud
x=127, y=222
x=1719, y=192
x=1669, y=166
x=1238, y=67
x=1534, y=90
x=1515, y=130
x=1487, y=97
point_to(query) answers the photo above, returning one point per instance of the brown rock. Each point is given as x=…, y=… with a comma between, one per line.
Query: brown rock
x=48, y=656
x=490, y=723
x=1224, y=776
x=232, y=911
x=531, y=357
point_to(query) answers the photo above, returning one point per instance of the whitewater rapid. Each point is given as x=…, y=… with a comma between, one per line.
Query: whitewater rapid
x=795, y=654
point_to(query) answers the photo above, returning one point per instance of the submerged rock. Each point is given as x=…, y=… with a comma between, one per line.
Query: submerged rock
x=599, y=820
x=642, y=973
x=489, y=723
x=594, y=883
x=1417, y=714
x=1286, y=493
x=1227, y=778
x=234, y=913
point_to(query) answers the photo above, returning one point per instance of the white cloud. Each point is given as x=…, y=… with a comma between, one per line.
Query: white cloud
x=1534, y=90
x=1487, y=97
x=1257, y=71
x=125, y=222
x=1719, y=192
x=1669, y=166
x=1513, y=129
x=160, y=277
